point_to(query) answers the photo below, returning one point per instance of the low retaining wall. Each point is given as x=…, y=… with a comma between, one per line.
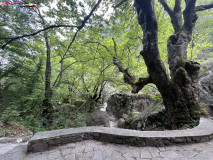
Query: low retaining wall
x=42, y=141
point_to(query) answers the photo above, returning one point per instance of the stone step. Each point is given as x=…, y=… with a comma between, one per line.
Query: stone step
x=42, y=141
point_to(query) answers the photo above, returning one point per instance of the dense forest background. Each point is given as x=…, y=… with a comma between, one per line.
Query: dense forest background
x=62, y=60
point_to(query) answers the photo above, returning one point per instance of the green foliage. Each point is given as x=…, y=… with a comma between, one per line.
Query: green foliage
x=204, y=111
x=158, y=97
x=4, y=132
x=192, y=125
x=9, y=116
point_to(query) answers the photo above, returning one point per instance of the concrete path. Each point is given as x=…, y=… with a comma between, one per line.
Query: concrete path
x=7, y=144
x=4, y=148
x=93, y=150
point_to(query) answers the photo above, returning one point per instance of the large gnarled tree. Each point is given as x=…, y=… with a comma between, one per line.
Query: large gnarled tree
x=179, y=91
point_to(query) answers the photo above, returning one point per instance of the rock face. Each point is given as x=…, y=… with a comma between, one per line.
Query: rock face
x=119, y=104
x=98, y=118
x=206, y=84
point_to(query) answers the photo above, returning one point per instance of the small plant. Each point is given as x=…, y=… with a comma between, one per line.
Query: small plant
x=4, y=133
x=194, y=123
x=158, y=97
x=79, y=120
x=204, y=111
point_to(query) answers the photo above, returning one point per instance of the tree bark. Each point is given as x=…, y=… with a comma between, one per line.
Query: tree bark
x=179, y=91
x=47, y=112
x=61, y=73
x=130, y=79
x=48, y=92
x=48, y=108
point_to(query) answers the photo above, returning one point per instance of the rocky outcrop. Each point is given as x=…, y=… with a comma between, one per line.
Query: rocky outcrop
x=153, y=117
x=98, y=118
x=206, y=84
x=120, y=104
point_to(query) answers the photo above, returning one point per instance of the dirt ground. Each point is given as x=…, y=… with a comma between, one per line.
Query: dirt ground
x=13, y=130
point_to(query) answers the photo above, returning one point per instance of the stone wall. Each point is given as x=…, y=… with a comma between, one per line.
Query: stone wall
x=42, y=141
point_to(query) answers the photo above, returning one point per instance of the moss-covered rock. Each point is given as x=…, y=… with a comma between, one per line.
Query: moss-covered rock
x=119, y=104
x=98, y=118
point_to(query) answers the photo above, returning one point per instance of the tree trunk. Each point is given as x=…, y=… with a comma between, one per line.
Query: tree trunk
x=179, y=91
x=48, y=108
x=61, y=73
x=47, y=112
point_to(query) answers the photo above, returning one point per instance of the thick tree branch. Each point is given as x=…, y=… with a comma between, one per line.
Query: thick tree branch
x=176, y=18
x=166, y=7
x=130, y=79
x=176, y=15
x=33, y=34
x=190, y=16
x=177, y=7
x=119, y=4
x=90, y=14
x=141, y=83
x=204, y=7
x=148, y=22
x=115, y=47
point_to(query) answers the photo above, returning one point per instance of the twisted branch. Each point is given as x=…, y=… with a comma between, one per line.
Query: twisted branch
x=130, y=79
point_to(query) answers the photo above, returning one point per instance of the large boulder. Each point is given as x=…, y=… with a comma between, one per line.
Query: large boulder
x=119, y=104
x=98, y=118
x=153, y=117
x=206, y=83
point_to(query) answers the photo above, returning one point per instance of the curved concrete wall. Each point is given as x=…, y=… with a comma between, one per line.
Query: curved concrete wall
x=45, y=140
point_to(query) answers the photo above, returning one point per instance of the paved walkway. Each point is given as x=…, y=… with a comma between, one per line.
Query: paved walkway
x=5, y=147
x=92, y=150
